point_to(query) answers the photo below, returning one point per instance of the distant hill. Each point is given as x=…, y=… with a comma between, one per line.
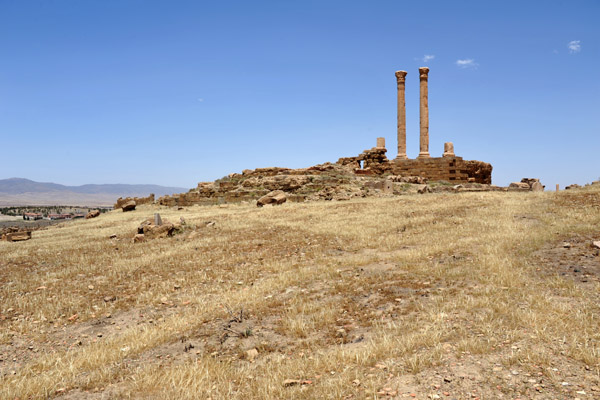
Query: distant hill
x=19, y=191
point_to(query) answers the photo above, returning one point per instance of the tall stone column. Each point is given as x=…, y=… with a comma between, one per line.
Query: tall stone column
x=424, y=114
x=400, y=78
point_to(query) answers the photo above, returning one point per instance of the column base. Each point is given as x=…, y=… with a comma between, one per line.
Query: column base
x=401, y=157
x=448, y=155
x=424, y=154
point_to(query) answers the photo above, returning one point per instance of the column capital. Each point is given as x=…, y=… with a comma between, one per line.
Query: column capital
x=423, y=73
x=401, y=76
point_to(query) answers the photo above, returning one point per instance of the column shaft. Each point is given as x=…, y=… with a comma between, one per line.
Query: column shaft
x=424, y=114
x=400, y=79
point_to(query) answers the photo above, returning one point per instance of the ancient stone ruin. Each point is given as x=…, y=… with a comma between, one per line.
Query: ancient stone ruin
x=369, y=173
x=131, y=202
x=156, y=227
x=92, y=214
x=276, y=197
x=527, y=185
x=449, y=167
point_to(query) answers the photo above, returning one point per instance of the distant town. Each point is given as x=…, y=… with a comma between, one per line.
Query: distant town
x=51, y=213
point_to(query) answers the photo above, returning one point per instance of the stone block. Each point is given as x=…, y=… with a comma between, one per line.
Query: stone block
x=18, y=236
x=519, y=186
x=128, y=206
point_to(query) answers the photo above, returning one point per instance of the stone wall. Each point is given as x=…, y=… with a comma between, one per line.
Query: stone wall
x=138, y=201
x=369, y=162
x=451, y=169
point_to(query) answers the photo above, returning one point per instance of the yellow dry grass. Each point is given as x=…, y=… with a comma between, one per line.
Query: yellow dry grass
x=373, y=298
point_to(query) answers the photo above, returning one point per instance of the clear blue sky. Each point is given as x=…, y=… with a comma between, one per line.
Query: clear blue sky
x=177, y=92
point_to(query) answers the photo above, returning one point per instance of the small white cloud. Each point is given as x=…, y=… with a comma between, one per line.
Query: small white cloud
x=428, y=57
x=200, y=100
x=574, y=46
x=468, y=63
x=555, y=51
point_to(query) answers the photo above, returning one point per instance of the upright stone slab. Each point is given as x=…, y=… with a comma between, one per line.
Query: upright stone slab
x=424, y=113
x=400, y=80
x=381, y=143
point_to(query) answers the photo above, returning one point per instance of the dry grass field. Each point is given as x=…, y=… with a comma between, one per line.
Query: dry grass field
x=435, y=296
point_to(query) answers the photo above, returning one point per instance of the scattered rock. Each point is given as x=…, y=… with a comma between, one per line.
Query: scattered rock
x=129, y=206
x=138, y=238
x=573, y=186
x=251, y=354
x=108, y=299
x=531, y=184
x=18, y=236
x=275, y=197
x=596, y=244
x=150, y=230
x=424, y=189
x=291, y=382
x=92, y=214
x=519, y=186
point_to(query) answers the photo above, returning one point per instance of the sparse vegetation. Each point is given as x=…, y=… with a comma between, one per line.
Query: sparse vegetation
x=369, y=298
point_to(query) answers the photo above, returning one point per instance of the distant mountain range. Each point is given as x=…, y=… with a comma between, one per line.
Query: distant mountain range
x=19, y=191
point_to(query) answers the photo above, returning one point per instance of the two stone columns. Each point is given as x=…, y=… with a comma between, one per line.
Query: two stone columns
x=400, y=79
x=423, y=112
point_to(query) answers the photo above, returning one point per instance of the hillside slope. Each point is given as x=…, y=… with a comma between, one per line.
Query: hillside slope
x=444, y=295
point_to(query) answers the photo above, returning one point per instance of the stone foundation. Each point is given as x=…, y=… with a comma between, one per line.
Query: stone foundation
x=451, y=169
